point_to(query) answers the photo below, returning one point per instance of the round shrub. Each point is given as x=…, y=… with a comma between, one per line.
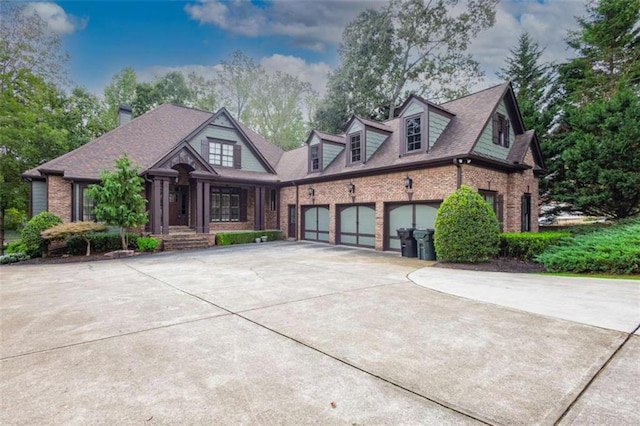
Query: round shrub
x=467, y=229
x=35, y=245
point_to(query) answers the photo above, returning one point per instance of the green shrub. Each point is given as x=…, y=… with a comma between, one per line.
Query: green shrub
x=527, y=245
x=147, y=243
x=100, y=243
x=466, y=228
x=34, y=243
x=243, y=237
x=13, y=258
x=16, y=247
x=615, y=250
x=14, y=219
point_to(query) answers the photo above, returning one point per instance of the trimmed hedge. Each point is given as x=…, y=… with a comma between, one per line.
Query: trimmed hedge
x=528, y=245
x=243, y=237
x=467, y=229
x=615, y=250
x=13, y=258
x=35, y=245
x=100, y=243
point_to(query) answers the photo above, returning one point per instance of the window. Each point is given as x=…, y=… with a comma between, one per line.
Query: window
x=501, y=130
x=225, y=205
x=414, y=134
x=495, y=201
x=221, y=154
x=315, y=157
x=355, y=147
x=526, y=213
x=87, y=206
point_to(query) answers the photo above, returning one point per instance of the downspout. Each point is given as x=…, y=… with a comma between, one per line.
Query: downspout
x=297, y=212
x=458, y=165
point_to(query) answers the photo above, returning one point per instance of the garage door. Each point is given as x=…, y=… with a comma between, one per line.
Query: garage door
x=357, y=225
x=316, y=224
x=407, y=216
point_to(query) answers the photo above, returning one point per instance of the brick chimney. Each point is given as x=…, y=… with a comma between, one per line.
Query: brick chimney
x=124, y=115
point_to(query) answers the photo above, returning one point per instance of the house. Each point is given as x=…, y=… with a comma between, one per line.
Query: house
x=211, y=173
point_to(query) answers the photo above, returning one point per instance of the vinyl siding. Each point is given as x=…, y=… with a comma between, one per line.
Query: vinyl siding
x=374, y=140
x=38, y=197
x=314, y=141
x=437, y=124
x=249, y=160
x=485, y=143
x=355, y=127
x=329, y=153
x=414, y=107
x=222, y=121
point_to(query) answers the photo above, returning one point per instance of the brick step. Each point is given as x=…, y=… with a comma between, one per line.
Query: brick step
x=184, y=237
x=185, y=245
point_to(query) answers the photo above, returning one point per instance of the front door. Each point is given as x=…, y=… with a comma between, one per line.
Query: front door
x=293, y=216
x=178, y=205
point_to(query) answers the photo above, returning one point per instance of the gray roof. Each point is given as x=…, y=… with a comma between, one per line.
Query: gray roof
x=145, y=140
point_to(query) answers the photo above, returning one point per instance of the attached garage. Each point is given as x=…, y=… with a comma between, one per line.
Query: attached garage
x=412, y=215
x=357, y=225
x=315, y=224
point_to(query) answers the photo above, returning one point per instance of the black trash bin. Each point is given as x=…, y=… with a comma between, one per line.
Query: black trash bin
x=407, y=243
x=426, y=249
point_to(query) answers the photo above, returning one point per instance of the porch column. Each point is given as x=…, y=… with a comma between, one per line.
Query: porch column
x=199, y=207
x=155, y=210
x=165, y=206
x=206, y=208
x=258, y=209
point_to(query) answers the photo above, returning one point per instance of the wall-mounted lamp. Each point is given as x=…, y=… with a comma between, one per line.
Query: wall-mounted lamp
x=408, y=183
x=351, y=187
x=311, y=192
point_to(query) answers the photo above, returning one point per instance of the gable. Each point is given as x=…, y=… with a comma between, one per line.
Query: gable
x=356, y=126
x=315, y=140
x=184, y=155
x=485, y=145
x=222, y=121
x=249, y=160
x=414, y=107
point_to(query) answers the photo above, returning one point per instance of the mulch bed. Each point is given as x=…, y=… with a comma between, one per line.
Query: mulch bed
x=69, y=259
x=497, y=265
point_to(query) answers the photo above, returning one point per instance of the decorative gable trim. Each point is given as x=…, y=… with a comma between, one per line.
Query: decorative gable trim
x=183, y=154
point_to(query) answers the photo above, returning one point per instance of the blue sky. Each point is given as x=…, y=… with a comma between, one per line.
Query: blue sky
x=299, y=37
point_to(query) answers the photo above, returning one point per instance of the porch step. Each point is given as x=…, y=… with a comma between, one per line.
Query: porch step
x=185, y=241
x=181, y=230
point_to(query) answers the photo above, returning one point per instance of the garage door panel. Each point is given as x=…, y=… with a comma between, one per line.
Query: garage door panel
x=425, y=216
x=408, y=216
x=316, y=224
x=357, y=225
x=323, y=220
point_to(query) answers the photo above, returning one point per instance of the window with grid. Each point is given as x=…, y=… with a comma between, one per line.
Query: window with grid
x=225, y=205
x=221, y=154
x=315, y=158
x=355, y=146
x=414, y=134
x=88, y=206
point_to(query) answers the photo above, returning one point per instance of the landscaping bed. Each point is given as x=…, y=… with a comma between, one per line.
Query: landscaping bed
x=501, y=264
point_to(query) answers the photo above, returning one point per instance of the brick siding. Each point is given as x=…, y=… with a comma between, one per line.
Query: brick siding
x=59, y=197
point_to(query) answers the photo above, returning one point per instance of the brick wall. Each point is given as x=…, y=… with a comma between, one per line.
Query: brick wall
x=432, y=184
x=59, y=197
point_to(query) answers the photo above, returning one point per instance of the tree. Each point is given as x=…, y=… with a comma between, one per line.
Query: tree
x=27, y=47
x=275, y=109
x=608, y=47
x=407, y=45
x=237, y=81
x=600, y=162
x=466, y=228
x=203, y=92
x=593, y=154
x=533, y=82
x=118, y=199
x=120, y=91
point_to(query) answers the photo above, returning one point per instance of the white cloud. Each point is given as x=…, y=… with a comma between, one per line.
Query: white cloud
x=56, y=18
x=310, y=24
x=315, y=73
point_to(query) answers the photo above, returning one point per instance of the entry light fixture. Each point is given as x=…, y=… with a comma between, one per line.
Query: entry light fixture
x=311, y=192
x=408, y=182
x=352, y=188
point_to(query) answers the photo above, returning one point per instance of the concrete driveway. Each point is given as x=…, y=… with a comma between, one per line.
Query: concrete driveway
x=298, y=333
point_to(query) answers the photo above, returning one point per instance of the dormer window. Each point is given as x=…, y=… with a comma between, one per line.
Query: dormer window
x=501, y=130
x=355, y=148
x=315, y=158
x=414, y=134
